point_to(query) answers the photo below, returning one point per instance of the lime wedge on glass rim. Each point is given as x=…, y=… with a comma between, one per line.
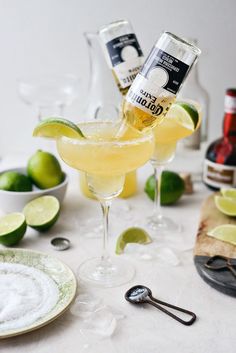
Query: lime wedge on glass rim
x=57, y=127
x=224, y=232
x=42, y=213
x=226, y=205
x=132, y=235
x=12, y=228
x=184, y=114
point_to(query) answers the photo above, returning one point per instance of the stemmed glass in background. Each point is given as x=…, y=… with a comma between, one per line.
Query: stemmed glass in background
x=50, y=94
x=164, y=153
x=166, y=135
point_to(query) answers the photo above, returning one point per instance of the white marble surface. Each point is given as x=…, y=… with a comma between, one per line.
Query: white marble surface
x=143, y=330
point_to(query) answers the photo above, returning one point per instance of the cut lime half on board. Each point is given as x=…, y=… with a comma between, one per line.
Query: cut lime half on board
x=12, y=228
x=57, y=127
x=226, y=205
x=224, y=232
x=229, y=193
x=42, y=213
x=132, y=235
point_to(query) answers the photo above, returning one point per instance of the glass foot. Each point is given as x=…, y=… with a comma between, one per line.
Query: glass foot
x=163, y=225
x=110, y=273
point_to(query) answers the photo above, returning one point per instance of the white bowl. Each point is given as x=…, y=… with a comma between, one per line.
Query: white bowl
x=13, y=201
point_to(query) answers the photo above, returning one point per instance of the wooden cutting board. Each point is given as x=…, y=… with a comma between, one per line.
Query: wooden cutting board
x=206, y=246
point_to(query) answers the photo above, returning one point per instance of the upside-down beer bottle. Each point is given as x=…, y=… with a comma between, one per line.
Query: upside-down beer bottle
x=123, y=52
x=125, y=58
x=157, y=84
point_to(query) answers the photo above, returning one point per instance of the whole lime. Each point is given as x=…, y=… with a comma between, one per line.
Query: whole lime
x=14, y=181
x=172, y=187
x=44, y=170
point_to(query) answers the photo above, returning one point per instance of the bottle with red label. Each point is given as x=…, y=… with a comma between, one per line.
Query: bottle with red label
x=219, y=169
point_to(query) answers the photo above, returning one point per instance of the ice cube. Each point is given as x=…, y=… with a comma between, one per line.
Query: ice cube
x=133, y=248
x=85, y=305
x=167, y=256
x=119, y=315
x=101, y=324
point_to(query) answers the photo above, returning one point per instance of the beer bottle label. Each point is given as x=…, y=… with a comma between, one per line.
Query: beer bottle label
x=219, y=175
x=126, y=58
x=158, y=82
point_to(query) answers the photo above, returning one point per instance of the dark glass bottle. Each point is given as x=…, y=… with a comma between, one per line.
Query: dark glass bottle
x=220, y=161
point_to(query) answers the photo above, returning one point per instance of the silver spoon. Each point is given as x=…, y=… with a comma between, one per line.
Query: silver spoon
x=140, y=294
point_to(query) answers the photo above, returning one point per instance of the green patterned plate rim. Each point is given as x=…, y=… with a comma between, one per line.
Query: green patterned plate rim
x=61, y=274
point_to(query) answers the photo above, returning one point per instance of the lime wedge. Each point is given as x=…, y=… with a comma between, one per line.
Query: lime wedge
x=57, y=127
x=42, y=213
x=224, y=232
x=184, y=114
x=12, y=228
x=226, y=205
x=229, y=193
x=132, y=235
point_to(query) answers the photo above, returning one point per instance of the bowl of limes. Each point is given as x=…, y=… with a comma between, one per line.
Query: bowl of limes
x=42, y=176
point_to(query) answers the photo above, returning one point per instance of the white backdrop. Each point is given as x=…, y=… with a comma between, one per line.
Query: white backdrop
x=43, y=36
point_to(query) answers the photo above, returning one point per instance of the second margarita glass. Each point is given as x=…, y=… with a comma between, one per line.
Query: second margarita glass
x=181, y=121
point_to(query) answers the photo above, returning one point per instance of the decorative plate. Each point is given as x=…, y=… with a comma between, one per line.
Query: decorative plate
x=62, y=282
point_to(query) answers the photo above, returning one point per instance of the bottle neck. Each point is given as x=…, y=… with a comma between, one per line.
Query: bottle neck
x=229, y=126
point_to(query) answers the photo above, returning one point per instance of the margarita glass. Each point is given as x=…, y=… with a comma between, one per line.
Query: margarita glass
x=49, y=94
x=166, y=136
x=106, y=159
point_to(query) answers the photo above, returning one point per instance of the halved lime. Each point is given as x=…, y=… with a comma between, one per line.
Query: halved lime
x=132, y=235
x=224, y=232
x=184, y=114
x=12, y=228
x=226, y=205
x=42, y=213
x=228, y=193
x=56, y=127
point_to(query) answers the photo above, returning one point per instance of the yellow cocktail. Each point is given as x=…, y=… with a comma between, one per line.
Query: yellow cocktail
x=106, y=159
x=181, y=121
x=166, y=135
x=129, y=189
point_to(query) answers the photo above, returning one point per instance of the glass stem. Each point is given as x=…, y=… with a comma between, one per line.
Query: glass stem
x=157, y=200
x=105, y=204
